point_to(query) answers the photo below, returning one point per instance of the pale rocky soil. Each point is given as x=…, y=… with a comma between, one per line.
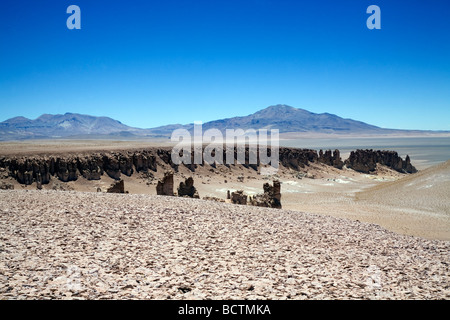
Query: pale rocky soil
x=59, y=245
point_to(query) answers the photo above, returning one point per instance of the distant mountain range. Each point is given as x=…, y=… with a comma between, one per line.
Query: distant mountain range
x=62, y=126
x=285, y=118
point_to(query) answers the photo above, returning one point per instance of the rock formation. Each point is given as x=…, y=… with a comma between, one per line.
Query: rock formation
x=366, y=161
x=187, y=189
x=117, y=187
x=297, y=158
x=165, y=186
x=271, y=198
x=27, y=170
x=91, y=166
x=239, y=197
x=330, y=159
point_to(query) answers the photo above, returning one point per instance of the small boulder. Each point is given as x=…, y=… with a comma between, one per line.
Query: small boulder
x=239, y=197
x=117, y=187
x=187, y=189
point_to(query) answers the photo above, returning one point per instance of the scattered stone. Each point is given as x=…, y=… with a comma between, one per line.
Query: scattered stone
x=6, y=186
x=92, y=246
x=58, y=186
x=184, y=289
x=213, y=199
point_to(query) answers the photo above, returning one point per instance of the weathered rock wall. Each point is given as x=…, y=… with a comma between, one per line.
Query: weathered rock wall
x=27, y=170
x=91, y=166
x=366, y=161
x=331, y=159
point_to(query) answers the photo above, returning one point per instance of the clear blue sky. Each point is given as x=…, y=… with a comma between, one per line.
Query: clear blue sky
x=150, y=63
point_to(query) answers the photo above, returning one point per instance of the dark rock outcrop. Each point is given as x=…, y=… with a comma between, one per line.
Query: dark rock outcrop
x=42, y=169
x=331, y=159
x=117, y=187
x=91, y=168
x=366, y=161
x=271, y=198
x=165, y=186
x=297, y=158
x=27, y=170
x=187, y=189
x=66, y=169
x=239, y=197
x=144, y=161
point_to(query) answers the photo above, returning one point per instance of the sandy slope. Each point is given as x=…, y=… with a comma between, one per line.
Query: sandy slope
x=419, y=201
x=89, y=245
x=428, y=191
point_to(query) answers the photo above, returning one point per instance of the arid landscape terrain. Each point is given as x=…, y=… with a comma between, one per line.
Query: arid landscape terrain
x=225, y=150
x=340, y=233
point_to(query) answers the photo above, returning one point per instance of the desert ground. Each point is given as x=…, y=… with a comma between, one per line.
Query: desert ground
x=341, y=234
x=64, y=245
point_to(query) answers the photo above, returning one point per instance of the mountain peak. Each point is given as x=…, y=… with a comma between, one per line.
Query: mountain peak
x=17, y=120
x=279, y=107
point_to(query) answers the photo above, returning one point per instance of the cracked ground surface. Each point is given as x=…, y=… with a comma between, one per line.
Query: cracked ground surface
x=81, y=245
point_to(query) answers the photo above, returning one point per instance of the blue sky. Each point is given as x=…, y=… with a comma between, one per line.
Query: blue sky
x=150, y=63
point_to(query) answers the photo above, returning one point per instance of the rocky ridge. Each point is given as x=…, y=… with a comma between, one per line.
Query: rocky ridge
x=366, y=161
x=42, y=168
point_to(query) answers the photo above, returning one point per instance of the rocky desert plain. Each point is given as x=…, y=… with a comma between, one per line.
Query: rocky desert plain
x=366, y=225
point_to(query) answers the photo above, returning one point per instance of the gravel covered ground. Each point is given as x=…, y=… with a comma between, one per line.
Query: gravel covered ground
x=60, y=245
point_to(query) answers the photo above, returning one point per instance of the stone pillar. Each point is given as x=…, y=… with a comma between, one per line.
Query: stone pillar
x=165, y=186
